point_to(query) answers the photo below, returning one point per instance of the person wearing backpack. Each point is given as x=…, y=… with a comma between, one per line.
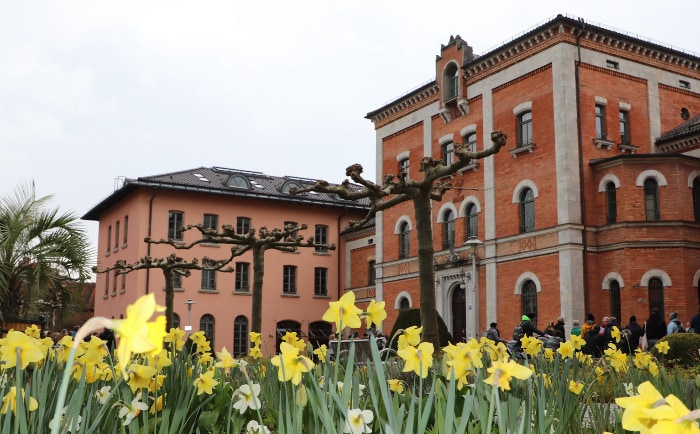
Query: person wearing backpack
x=674, y=324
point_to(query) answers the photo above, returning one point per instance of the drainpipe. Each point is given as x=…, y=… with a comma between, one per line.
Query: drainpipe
x=150, y=223
x=340, y=284
x=582, y=184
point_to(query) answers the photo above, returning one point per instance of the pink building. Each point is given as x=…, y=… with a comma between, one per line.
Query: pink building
x=297, y=286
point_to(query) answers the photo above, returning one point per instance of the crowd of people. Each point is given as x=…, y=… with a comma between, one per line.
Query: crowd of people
x=599, y=336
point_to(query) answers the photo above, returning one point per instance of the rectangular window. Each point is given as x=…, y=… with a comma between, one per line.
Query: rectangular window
x=123, y=283
x=289, y=282
x=242, y=225
x=470, y=140
x=177, y=280
x=525, y=128
x=114, y=283
x=624, y=127
x=209, y=279
x=126, y=228
x=106, y=283
x=612, y=64
x=372, y=272
x=403, y=167
x=321, y=237
x=116, y=235
x=448, y=154
x=320, y=281
x=109, y=238
x=684, y=84
x=176, y=221
x=210, y=221
x=242, y=277
x=600, y=132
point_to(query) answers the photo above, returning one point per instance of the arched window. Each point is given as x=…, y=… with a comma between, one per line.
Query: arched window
x=651, y=199
x=529, y=299
x=404, y=303
x=610, y=202
x=696, y=199
x=472, y=221
x=448, y=229
x=527, y=211
x=524, y=128
x=615, y=303
x=448, y=153
x=451, y=82
x=404, y=243
x=176, y=320
x=206, y=325
x=240, y=336
x=656, y=295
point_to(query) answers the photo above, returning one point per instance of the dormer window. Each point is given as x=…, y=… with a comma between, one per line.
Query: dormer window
x=289, y=185
x=450, y=82
x=238, y=181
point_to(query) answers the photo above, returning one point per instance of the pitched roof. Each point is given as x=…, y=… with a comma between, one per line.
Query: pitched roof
x=687, y=128
x=229, y=182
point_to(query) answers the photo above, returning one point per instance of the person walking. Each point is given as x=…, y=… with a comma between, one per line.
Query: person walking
x=655, y=327
x=636, y=333
x=674, y=324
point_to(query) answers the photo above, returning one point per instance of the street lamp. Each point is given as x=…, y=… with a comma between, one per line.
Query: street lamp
x=472, y=294
x=189, y=302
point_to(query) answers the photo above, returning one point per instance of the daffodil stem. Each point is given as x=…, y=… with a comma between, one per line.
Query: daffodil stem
x=63, y=390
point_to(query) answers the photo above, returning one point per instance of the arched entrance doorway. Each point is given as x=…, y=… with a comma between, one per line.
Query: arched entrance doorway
x=459, y=317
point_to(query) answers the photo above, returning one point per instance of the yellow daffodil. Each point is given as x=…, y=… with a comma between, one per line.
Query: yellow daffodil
x=577, y=341
x=20, y=349
x=255, y=338
x=226, y=360
x=501, y=372
x=139, y=376
x=248, y=398
x=673, y=418
x=255, y=352
x=343, y=312
x=290, y=364
x=635, y=417
x=653, y=369
x=549, y=353
x=157, y=405
x=615, y=334
x=156, y=383
x=410, y=336
x=159, y=360
x=417, y=359
x=662, y=347
x=33, y=331
x=174, y=338
x=136, y=333
x=375, y=314
x=358, y=421
x=200, y=339
x=64, y=347
x=531, y=345
x=205, y=383
x=575, y=387
x=321, y=352
x=395, y=385
x=9, y=401
x=206, y=359
x=566, y=349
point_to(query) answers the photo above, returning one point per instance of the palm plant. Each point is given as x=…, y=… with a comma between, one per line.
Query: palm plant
x=40, y=248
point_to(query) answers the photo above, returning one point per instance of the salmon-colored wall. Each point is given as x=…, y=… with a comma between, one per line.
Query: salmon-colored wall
x=224, y=304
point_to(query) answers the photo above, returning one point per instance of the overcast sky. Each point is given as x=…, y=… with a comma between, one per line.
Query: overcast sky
x=94, y=90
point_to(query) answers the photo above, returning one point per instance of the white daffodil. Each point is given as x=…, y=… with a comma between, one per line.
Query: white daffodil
x=129, y=412
x=74, y=426
x=103, y=394
x=248, y=398
x=358, y=421
x=254, y=427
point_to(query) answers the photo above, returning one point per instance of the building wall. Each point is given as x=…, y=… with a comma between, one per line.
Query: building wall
x=224, y=304
x=541, y=70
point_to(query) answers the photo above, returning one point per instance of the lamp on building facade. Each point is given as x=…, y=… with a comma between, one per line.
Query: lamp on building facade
x=472, y=291
x=189, y=302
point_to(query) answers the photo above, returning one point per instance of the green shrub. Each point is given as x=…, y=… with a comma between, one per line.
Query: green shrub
x=411, y=317
x=683, y=349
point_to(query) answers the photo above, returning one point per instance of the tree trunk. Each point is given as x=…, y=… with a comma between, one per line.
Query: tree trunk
x=428, y=309
x=169, y=298
x=258, y=274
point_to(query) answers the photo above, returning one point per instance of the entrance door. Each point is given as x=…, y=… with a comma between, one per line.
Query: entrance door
x=459, y=318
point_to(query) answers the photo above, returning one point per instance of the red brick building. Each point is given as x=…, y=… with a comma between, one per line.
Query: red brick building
x=592, y=207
